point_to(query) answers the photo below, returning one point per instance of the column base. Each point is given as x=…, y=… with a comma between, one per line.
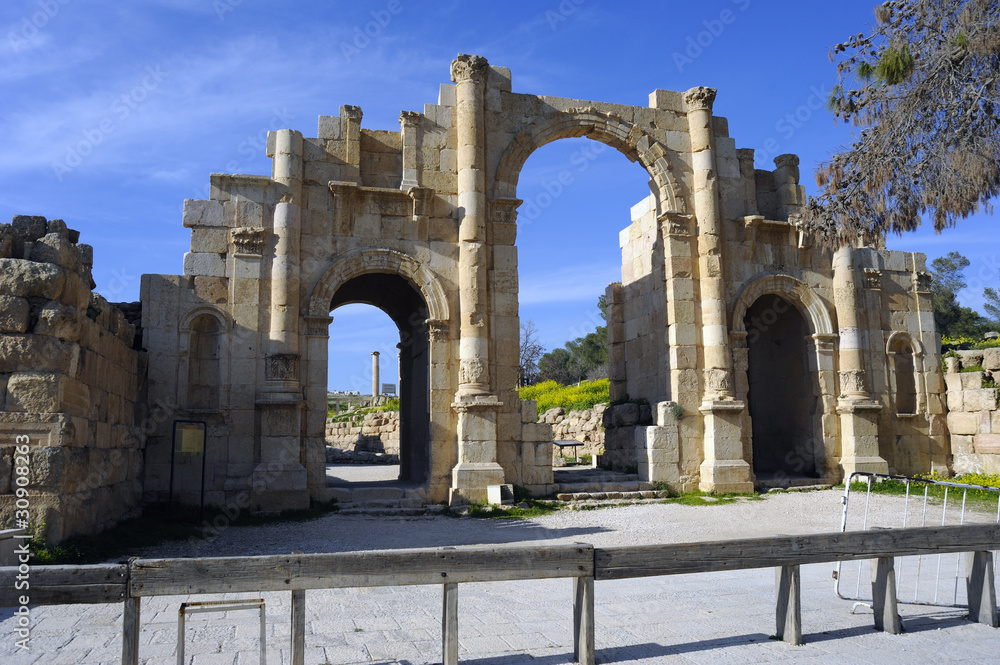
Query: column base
x=469, y=481
x=851, y=465
x=726, y=477
x=279, y=487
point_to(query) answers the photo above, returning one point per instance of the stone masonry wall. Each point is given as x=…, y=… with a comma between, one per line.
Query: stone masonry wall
x=583, y=426
x=69, y=383
x=378, y=432
x=973, y=417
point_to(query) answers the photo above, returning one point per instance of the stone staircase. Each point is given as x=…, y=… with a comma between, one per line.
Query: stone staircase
x=584, y=488
x=381, y=501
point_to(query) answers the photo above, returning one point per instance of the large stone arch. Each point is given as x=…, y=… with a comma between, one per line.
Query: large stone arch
x=378, y=260
x=607, y=128
x=816, y=313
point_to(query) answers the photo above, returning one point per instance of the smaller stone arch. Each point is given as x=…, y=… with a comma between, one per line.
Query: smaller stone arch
x=895, y=338
x=379, y=260
x=218, y=314
x=204, y=364
x=905, y=356
x=607, y=128
x=816, y=311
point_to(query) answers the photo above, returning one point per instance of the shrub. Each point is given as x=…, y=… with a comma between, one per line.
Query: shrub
x=580, y=397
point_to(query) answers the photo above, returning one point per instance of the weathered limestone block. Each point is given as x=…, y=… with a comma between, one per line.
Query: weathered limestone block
x=983, y=399
x=208, y=265
x=14, y=314
x=57, y=249
x=61, y=321
x=963, y=423
x=28, y=227
x=26, y=279
x=203, y=213
x=987, y=444
x=210, y=241
x=6, y=241
x=972, y=380
x=37, y=353
x=991, y=359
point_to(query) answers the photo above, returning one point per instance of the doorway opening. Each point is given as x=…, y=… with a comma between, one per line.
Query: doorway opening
x=781, y=398
x=378, y=426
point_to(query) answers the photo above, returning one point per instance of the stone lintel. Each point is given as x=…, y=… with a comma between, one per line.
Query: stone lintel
x=855, y=405
x=722, y=405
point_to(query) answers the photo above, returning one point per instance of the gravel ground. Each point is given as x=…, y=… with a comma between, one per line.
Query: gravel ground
x=783, y=513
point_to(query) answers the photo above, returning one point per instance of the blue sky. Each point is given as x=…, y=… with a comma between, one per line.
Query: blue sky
x=115, y=112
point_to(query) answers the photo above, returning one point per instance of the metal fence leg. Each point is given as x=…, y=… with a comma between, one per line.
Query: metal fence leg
x=982, y=593
x=298, y=627
x=583, y=620
x=130, y=632
x=788, y=616
x=884, y=596
x=449, y=625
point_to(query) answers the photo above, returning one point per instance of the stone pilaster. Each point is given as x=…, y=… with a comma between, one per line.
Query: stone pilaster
x=858, y=411
x=724, y=469
x=410, y=127
x=477, y=407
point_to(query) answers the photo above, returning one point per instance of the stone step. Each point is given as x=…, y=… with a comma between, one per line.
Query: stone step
x=637, y=495
x=389, y=511
x=616, y=486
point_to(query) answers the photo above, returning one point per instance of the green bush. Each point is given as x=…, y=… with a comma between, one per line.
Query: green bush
x=580, y=397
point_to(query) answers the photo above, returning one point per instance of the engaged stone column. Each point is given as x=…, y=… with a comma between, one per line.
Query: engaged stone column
x=724, y=469
x=477, y=465
x=409, y=126
x=279, y=478
x=858, y=412
x=375, y=386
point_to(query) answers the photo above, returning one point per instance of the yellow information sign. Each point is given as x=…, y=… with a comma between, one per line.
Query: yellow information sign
x=192, y=437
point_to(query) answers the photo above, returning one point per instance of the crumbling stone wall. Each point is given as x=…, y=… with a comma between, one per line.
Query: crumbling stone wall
x=377, y=432
x=69, y=382
x=973, y=416
x=584, y=426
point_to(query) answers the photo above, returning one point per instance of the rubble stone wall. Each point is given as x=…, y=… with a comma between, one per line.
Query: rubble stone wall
x=377, y=432
x=973, y=417
x=69, y=383
x=583, y=426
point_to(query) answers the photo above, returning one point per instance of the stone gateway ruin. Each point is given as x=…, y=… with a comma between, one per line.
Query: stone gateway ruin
x=761, y=355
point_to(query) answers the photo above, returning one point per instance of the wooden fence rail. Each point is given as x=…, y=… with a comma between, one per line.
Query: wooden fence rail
x=449, y=567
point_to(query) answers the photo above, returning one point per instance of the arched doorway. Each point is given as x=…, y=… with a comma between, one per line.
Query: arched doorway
x=405, y=305
x=781, y=396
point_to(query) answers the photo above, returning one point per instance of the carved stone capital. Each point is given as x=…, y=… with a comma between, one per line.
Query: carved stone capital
x=352, y=112
x=675, y=224
x=922, y=281
x=318, y=326
x=700, y=99
x=852, y=383
x=437, y=330
x=249, y=240
x=504, y=211
x=282, y=367
x=718, y=382
x=472, y=371
x=873, y=279
x=410, y=118
x=469, y=68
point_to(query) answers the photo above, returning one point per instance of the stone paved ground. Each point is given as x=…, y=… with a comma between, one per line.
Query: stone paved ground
x=714, y=618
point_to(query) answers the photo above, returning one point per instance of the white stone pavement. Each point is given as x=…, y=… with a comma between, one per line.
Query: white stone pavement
x=715, y=618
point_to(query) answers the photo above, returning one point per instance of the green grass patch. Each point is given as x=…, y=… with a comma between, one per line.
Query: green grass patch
x=976, y=498
x=535, y=507
x=550, y=395
x=699, y=498
x=155, y=526
x=971, y=368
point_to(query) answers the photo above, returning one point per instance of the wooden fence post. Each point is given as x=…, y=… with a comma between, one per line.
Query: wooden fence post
x=130, y=631
x=298, y=627
x=583, y=620
x=884, y=596
x=449, y=625
x=789, y=604
x=982, y=593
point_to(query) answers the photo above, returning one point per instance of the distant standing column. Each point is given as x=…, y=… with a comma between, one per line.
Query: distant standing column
x=375, y=386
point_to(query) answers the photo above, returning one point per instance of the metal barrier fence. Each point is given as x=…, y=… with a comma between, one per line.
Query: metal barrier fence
x=927, y=579
x=583, y=564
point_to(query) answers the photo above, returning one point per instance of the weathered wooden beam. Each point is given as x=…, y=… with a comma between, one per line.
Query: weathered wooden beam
x=788, y=616
x=583, y=620
x=65, y=585
x=160, y=577
x=298, y=627
x=884, y=596
x=982, y=592
x=449, y=625
x=130, y=631
x=705, y=557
